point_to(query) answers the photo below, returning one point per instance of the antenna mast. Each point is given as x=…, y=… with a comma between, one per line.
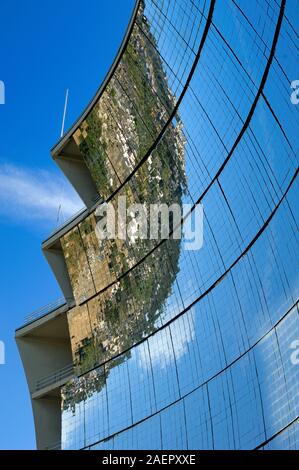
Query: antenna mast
x=61, y=135
x=64, y=112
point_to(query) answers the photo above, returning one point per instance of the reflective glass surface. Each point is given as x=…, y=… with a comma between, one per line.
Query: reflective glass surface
x=177, y=348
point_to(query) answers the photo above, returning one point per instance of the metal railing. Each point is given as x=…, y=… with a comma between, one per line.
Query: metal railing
x=71, y=219
x=41, y=312
x=66, y=222
x=57, y=376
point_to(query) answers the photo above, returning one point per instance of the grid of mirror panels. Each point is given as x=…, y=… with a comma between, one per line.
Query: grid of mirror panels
x=143, y=92
x=167, y=337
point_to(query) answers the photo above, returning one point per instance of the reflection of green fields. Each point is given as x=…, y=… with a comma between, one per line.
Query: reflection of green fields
x=130, y=113
x=114, y=137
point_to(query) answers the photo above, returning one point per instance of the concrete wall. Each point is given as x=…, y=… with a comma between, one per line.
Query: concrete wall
x=44, y=347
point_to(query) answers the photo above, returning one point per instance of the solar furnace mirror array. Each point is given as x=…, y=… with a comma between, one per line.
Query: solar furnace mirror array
x=172, y=348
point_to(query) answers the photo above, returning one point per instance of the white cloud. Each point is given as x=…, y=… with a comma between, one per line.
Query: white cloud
x=162, y=356
x=34, y=194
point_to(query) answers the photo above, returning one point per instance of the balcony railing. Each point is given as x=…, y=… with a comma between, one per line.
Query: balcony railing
x=66, y=222
x=41, y=312
x=69, y=220
x=62, y=374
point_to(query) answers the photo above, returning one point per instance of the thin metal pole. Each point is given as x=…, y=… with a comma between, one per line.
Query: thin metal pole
x=64, y=112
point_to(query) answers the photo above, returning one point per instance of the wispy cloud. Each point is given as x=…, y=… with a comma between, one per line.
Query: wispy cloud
x=28, y=194
x=163, y=356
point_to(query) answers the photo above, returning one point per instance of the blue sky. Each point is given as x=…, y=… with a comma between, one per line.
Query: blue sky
x=45, y=48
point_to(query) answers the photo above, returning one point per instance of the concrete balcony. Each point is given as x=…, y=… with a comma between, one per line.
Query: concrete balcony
x=45, y=349
x=43, y=311
x=53, y=381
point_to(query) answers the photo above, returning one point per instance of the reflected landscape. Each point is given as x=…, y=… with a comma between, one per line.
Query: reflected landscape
x=178, y=349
